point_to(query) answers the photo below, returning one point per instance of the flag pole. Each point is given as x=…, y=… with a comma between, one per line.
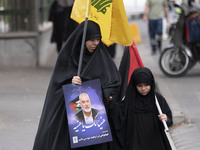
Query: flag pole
x=83, y=39
x=160, y=112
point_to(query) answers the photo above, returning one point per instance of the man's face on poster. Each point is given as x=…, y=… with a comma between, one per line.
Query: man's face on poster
x=85, y=102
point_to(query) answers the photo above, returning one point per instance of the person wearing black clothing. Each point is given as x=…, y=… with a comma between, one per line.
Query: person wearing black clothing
x=135, y=120
x=53, y=133
x=63, y=25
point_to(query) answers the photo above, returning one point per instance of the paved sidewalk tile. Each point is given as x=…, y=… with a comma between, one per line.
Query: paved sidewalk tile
x=186, y=137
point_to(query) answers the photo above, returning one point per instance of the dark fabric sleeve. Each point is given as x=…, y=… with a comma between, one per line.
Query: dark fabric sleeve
x=165, y=108
x=118, y=126
x=51, y=11
x=117, y=114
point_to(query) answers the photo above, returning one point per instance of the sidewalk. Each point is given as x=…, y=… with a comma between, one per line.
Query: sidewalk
x=22, y=94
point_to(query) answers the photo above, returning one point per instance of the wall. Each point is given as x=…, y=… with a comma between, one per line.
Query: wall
x=46, y=48
x=26, y=49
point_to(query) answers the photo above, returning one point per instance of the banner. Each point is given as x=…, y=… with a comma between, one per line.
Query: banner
x=87, y=118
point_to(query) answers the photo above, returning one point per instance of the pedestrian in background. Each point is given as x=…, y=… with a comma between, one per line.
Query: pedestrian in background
x=63, y=25
x=154, y=11
x=136, y=122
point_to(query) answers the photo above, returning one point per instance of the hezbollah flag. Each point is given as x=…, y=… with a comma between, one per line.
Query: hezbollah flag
x=110, y=15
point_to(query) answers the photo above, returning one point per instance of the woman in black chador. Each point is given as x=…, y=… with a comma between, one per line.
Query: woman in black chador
x=136, y=121
x=53, y=131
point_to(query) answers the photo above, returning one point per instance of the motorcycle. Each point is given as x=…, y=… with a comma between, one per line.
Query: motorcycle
x=181, y=56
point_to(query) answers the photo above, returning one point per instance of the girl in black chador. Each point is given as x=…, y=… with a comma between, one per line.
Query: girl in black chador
x=135, y=120
x=53, y=131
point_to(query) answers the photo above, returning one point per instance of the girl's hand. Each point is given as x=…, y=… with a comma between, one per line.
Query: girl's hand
x=163, y=117
x=76, y=80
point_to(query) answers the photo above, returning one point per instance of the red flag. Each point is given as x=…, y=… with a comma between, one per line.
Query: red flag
x=130, y=61
x=135, y=60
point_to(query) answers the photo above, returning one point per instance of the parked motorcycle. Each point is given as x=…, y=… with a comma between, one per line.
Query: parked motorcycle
x=182, y=55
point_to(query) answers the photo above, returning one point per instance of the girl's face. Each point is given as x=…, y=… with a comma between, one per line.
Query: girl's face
x=92, y=44
x=143, y=88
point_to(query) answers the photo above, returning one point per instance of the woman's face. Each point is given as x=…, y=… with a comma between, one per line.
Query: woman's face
x=92, y=44
x=143, y=88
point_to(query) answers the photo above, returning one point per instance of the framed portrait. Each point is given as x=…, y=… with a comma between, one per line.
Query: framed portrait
x=87, y=119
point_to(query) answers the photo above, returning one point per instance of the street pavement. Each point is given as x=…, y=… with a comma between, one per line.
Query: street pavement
x=23, y=90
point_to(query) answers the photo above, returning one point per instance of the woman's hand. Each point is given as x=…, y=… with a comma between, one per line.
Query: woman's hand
x=110, y=98
x=163, y=117
x=76, y=80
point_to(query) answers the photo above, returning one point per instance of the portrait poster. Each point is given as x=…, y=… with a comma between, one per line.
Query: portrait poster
x=84, y=133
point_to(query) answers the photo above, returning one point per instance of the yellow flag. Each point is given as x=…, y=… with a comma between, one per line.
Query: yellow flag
x=111, y=17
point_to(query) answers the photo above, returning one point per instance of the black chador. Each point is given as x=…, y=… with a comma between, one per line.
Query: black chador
x=53, y=131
